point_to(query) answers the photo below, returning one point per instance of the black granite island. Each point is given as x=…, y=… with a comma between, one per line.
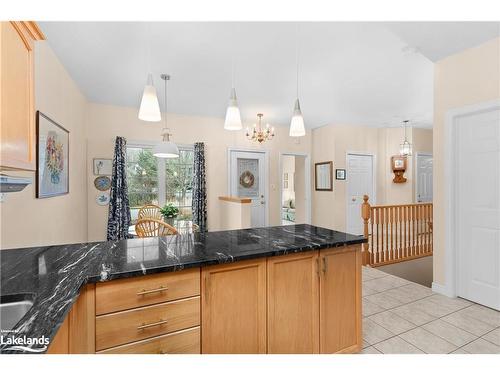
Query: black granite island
x=123, y=296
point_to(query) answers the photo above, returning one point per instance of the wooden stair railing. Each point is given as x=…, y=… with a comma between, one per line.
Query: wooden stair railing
x=396, y=233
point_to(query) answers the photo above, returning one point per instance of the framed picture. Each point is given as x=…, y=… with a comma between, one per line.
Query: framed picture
x=285, y=180
x=52, y=158
x=103, y=167
x=323, y=176
x=340, y=174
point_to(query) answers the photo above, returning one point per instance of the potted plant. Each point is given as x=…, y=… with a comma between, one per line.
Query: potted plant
x=169, y=212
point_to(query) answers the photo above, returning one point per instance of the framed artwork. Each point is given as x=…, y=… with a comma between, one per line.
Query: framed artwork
x=102, y=183
x=285, y=180
x=323, y=176
x=103, y=167
x=340, y=174
x=52, y=158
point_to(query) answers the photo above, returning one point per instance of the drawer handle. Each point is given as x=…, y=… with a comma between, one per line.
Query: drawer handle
x=157, y=290
x=149, y=325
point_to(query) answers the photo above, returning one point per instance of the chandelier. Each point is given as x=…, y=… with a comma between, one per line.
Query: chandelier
x=258, y=134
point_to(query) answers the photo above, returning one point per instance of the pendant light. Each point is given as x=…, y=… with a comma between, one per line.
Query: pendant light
x=166, y=148
x=233, y=117
x=297, y=128
x=150, y=108
x=405, y=147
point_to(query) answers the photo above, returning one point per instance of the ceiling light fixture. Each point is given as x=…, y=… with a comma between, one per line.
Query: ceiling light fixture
x=258, y=134
x=297, y=128
x=150, y=108
x=233, y=117
x=405, y=147
x=166, y=148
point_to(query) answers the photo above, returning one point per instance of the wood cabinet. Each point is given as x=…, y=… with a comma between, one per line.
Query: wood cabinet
x=340, y=300
x=142, y=314
x=17, y=109
x=293, y=304
x=77, y=333
x=234, y=308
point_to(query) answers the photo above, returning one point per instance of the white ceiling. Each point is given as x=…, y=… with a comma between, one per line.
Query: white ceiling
x=358, y=73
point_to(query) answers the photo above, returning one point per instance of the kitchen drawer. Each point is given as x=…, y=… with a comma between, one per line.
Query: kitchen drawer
x=144, y=322
x=140, y=291
x=182, y=342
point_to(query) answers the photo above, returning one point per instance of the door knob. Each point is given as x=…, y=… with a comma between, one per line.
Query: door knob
x=262, y=202
x=353, y=199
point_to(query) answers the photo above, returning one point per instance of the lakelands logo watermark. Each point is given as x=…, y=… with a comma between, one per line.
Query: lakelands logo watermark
x=24, y=343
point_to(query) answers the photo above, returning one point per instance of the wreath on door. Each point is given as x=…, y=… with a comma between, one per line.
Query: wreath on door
x=247, y=179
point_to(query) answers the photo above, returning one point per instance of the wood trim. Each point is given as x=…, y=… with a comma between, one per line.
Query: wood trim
x=33, y=29
x=235, y=199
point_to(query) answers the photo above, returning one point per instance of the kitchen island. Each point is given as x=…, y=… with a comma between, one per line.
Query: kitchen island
x=287, y=289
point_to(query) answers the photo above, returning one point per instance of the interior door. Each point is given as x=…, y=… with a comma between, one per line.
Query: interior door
x=359, y=182
x=424, y=178
x=248, y=180
x=477, y=203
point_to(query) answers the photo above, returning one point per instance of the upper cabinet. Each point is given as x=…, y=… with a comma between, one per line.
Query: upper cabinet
x=17, y=107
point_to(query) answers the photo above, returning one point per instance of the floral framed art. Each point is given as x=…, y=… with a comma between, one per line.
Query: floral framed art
x=52, y=158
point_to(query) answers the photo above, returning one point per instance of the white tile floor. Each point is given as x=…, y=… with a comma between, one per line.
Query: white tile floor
x=401, y=317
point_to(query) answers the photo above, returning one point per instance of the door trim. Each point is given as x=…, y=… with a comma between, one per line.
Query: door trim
x=373, y=200
x=450, y=177
x=307, y=172
x=266, y=173
x=415, y=169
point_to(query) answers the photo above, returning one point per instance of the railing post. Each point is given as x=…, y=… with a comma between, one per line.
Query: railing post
x=365, y=214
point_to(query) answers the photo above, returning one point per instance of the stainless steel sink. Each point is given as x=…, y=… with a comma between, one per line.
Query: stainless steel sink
x=12, y=308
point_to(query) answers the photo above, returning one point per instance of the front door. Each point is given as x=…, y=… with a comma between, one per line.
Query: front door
x=424, y=178
x=359, y=182
x=477, y=217
x=248, y=180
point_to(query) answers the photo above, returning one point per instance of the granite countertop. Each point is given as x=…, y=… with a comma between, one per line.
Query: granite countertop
x=53, y=275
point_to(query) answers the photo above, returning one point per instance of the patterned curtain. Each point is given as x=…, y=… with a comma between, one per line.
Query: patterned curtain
x=119, y=210
x=199, y=188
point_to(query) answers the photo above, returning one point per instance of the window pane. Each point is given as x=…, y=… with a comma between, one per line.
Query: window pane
x=142, y=177
x=179, y=182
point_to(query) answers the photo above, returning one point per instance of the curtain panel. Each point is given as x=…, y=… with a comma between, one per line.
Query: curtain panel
x=119, y=210
x=199, y=188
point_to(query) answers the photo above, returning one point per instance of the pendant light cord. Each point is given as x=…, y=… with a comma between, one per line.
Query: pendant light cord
x=165, y=129
x=297, y=58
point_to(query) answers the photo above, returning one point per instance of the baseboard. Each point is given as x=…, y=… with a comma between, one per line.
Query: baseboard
x=442, y=289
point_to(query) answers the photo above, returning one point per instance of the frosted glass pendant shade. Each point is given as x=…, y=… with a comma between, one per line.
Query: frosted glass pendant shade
x=405, y=148
x=166, y=149
x=150, y=108
x=297, y=128
x=233, y=117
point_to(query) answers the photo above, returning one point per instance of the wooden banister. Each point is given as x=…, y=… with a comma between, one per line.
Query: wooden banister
x=396, y=233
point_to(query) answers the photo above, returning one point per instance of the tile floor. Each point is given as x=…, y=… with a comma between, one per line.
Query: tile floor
x=401, y=317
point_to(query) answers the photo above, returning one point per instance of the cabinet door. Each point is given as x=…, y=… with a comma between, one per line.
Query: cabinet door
x=17, y=118
x=340, y=300
x=234, y=308
x=293, y=304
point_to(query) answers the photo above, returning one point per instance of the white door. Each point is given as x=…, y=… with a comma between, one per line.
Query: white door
x=477, y=203
x=248, y=180
x=359, y=182
x=424, y=178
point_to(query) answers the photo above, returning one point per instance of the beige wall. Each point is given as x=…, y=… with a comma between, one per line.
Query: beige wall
x=105, y=122
x=27, y=221
x=234, y=215
x=467, y=78
x=332, y=142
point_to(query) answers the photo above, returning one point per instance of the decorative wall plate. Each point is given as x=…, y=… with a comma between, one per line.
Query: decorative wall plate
x=102, y=199
x=102, y=183
x=247, y=179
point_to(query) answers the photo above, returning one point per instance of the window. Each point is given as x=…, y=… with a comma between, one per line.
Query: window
x=159, y=181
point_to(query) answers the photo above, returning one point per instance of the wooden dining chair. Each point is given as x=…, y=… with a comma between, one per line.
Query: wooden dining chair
x=149, y=211
x=153, y=228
